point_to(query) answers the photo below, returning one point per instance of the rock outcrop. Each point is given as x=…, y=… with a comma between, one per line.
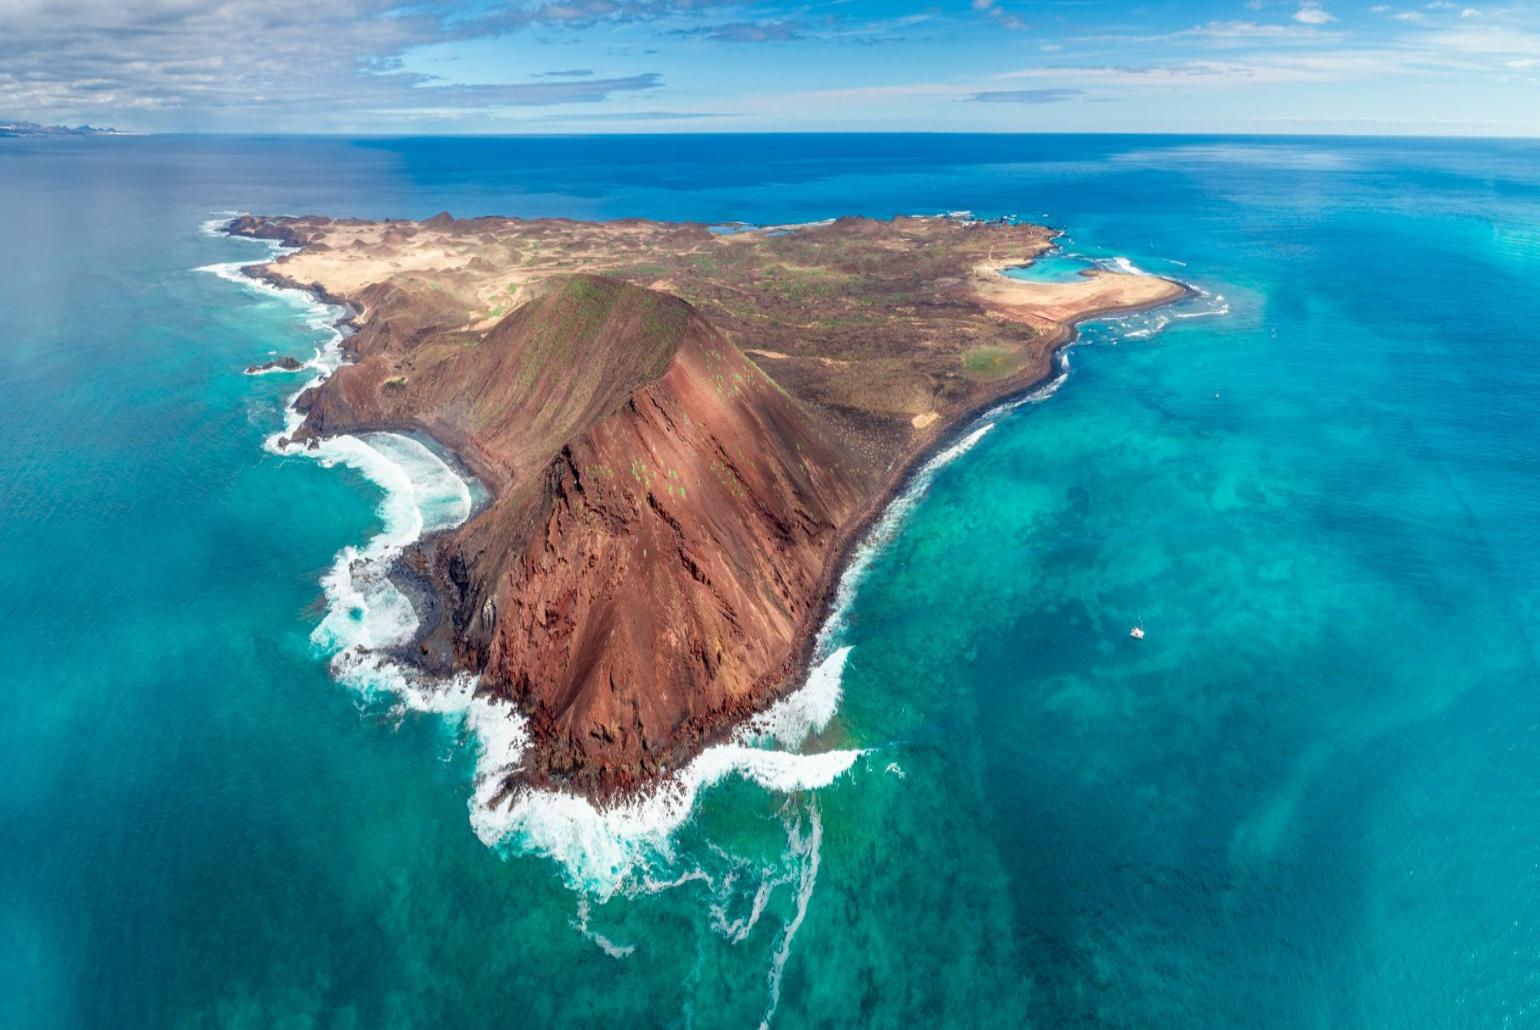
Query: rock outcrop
x=286, y=363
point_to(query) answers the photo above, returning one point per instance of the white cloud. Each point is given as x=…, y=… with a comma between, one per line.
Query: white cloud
x=1313, y=14
x=933, y=90
x=1434, y=54
x=276, y=63
x=1196, y=74
x=1232, y=34
x=1485, y=41
x=1261, y=30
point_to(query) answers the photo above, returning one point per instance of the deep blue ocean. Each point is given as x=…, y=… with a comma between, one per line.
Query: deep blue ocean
x=1310, y=796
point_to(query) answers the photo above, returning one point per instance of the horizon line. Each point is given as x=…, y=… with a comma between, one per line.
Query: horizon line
x=1227, y=134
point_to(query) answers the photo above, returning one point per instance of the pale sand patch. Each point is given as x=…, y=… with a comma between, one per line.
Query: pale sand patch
x=344, y=269
x=359, y=255
x=926, y=418
x=775, y=355
x=1100, y=292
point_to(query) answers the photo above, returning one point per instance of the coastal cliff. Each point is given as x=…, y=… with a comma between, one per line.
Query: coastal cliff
x=684, y=433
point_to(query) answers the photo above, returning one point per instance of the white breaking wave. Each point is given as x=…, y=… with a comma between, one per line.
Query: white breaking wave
x=422, y=495
x=320, y=317
x=366, y=613
x=601, y=849
x=215, y=226
x=1142, y=325
x=793, y=719
x=1126, y=266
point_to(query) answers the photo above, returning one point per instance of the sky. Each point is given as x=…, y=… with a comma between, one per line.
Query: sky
x=560, y=66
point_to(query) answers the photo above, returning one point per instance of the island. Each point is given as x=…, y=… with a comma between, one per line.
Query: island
x=684, y=429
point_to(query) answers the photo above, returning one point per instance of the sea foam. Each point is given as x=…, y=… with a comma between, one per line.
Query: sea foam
x=807, y=846
x=1143, y=325
x=603, y=849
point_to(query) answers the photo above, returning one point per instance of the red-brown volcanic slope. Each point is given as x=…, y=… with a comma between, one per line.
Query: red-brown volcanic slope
x=667, y=519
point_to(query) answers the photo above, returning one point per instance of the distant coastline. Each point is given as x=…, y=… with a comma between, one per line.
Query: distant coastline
x=28, y=130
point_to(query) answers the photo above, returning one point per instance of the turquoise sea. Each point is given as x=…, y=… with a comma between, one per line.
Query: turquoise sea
x=1310, y=796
